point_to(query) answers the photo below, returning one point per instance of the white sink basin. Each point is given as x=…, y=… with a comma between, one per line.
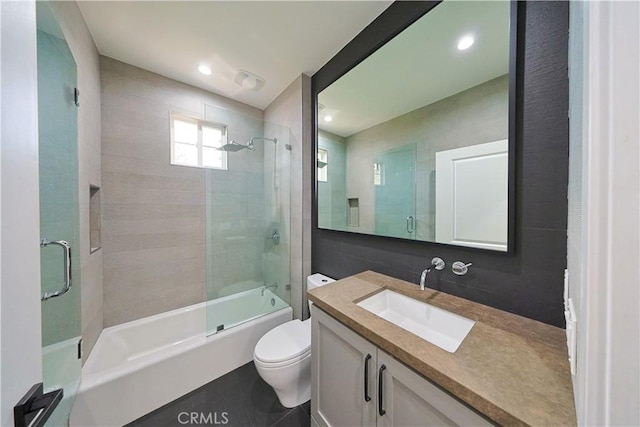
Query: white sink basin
x=440, y=327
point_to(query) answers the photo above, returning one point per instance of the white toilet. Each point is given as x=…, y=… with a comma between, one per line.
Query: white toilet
x=283, y=355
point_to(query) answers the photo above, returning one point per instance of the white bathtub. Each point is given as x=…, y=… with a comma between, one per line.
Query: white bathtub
x=141, y=365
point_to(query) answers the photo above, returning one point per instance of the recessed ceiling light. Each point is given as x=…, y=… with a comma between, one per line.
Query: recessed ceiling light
x=328, y=118
x=204, y=69
x=465, y=42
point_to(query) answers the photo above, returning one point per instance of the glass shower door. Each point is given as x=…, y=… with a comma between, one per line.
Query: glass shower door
x=247, y=222
x=59, y=213
x=394, y=176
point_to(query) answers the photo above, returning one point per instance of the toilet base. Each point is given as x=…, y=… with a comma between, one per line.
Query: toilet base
x=292, y=383
x=291, y=400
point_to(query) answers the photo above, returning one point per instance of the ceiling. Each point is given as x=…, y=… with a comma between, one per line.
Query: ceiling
x=420, y=66
x=276, y=41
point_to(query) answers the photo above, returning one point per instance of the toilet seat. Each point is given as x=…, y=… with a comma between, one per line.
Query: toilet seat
x=284, y=345
x=283, y=364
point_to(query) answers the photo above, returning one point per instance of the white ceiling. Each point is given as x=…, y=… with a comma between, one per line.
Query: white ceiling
x=277, y=41
x=420, y=66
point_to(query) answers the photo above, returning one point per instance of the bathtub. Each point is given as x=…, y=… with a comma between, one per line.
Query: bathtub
x=139, y=366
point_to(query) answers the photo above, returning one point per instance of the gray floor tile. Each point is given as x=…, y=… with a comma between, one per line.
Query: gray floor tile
x=240, y=398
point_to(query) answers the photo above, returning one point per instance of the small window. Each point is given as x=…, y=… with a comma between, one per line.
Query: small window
x=322, y=165
x=378, y=174
x=197, y=143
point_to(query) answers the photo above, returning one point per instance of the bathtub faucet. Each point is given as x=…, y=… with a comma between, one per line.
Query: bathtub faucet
x=265, y=287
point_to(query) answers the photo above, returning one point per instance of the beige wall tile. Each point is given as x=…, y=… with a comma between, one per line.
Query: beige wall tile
x=288, y=109
x=89, y=159
x=115, y=212
x=155, y=213
x=153, y=255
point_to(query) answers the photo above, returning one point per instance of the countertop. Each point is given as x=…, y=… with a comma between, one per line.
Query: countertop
x=511, y=369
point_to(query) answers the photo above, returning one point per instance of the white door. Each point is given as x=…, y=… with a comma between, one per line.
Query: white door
x=340, y=359
x=472, y=196
x=20, y=345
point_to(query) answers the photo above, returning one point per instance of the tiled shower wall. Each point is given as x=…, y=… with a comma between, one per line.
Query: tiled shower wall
x=244, y=205
x=153, y=213
x=89, y=161
x=276, y=214
x=332, y=193
x=292, y=109
x=234, y=200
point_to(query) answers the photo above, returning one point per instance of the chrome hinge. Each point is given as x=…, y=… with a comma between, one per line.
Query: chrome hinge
x=76, y=96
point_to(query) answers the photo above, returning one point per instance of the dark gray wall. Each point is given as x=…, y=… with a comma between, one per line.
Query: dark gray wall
x=529, y=281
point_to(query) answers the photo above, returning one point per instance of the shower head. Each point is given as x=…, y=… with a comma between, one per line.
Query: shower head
x=235, y=146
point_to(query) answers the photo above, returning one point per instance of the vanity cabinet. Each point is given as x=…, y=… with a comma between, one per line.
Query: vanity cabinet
x=354, y=383
x=343, y=374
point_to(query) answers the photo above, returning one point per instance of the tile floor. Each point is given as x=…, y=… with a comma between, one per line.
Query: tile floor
x=245, y=398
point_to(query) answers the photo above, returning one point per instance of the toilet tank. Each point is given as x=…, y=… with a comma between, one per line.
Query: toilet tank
x=317, y=280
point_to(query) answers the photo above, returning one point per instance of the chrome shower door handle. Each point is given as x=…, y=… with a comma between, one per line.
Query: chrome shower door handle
x=66, y=248
x=410, y=224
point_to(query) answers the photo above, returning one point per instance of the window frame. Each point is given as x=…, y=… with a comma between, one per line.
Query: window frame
x=199, y=143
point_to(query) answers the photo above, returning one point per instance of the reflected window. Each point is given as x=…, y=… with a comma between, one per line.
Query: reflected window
x=323, y=165
x=197, y=143
x=378, y=174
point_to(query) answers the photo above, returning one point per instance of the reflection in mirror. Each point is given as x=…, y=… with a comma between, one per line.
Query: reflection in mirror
x=416, y=135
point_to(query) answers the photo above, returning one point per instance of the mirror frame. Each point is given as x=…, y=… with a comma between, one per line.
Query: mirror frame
x=395, y=19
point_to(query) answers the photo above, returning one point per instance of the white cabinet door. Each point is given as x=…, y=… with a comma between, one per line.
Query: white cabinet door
x=339, y=360
x=408, y=399
x=472, y=195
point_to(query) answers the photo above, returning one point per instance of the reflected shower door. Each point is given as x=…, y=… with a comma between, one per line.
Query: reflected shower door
x=59, y=213
x=394, y=173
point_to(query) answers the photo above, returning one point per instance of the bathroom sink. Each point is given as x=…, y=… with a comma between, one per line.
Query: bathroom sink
x=440, y=327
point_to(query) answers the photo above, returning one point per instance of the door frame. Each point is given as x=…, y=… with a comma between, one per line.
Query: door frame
x=604, y=279
x=20, y=328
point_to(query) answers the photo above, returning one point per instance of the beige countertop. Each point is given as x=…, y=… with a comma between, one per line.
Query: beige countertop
x=511, y=369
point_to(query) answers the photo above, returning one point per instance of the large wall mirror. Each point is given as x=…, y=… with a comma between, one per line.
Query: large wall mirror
x=416, y=141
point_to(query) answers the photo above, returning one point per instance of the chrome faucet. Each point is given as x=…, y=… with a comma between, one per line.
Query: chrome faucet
x=265, y=287
x=275, y=236
x=437, y=264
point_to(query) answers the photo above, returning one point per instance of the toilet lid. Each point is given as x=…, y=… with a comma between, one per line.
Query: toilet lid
x=285, y=342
